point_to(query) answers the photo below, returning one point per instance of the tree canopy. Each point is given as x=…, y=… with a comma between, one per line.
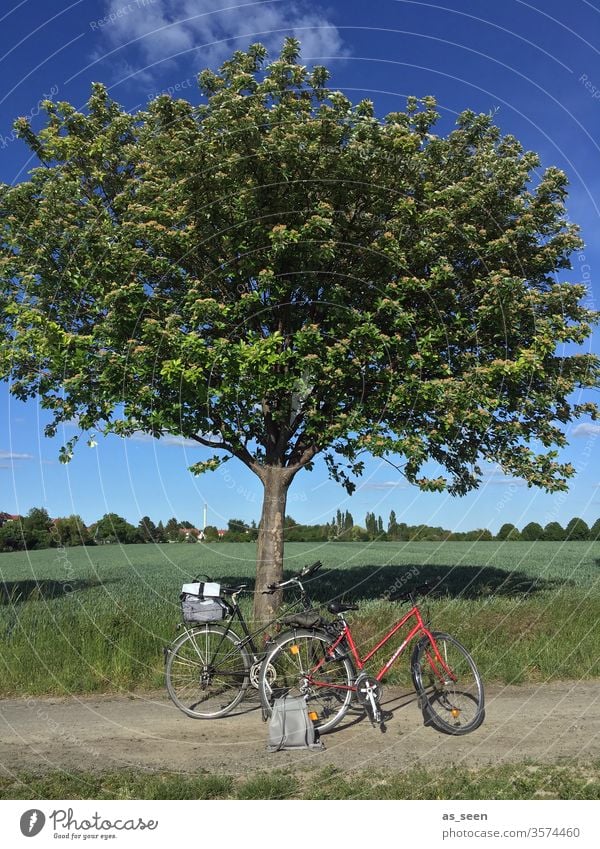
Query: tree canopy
x=279, y=274
x=532, y=531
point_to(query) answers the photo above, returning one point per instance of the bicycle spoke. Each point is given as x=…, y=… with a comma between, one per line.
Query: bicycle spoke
x=293, y=671
x=207, y=673
x=449, y=685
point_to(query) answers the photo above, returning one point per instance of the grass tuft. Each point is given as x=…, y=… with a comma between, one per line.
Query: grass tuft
x=509, y=781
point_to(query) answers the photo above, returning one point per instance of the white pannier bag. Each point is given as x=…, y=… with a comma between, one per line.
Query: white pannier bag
x=200, y=602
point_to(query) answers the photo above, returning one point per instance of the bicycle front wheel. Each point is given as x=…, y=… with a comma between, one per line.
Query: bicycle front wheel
x=206, y=673
x=448, y=685
x=298, y=664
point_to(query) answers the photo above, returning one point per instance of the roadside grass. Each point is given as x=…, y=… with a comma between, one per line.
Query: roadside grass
x=509, y=781
x=96, y=619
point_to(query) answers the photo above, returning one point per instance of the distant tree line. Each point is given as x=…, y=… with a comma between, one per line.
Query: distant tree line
x=343, y=528
x=37, y=530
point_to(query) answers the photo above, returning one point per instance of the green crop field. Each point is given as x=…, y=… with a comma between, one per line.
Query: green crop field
x=96, y=619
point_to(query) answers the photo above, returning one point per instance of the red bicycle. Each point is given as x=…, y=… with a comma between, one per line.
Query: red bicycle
x=323, y=664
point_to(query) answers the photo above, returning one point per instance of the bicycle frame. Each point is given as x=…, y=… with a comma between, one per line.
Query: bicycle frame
x=418, y=628
x=247, y=641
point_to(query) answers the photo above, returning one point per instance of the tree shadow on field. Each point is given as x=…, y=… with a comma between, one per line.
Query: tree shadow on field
x=468, y=582
x=18, y=592
x=382, y=582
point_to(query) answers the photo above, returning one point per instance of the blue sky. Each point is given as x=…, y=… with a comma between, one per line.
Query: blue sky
x=537, y=64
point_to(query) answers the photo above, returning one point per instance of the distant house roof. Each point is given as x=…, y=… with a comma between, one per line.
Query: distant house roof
x=9, y=517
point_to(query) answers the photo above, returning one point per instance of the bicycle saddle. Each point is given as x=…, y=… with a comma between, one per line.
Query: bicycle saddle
x=304, y=619
x=340, y=606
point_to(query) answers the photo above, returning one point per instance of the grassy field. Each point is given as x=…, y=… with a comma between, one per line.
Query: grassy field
x=519, y=781
x=96, y=619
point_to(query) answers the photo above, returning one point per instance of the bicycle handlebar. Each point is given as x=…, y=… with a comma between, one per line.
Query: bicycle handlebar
x=304, y=573
x=232, y=590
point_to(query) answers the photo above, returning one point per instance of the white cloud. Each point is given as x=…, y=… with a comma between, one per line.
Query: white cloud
x=169, y=439
x=12, y=455
x=160, y=29
x=319, y=38
x=586, y=429
x=399, y=484
x=494, y=476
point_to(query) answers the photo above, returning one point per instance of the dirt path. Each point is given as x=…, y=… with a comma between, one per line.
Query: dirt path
x=550, y=722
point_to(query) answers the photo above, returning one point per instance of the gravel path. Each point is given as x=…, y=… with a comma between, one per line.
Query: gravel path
x=549, y=723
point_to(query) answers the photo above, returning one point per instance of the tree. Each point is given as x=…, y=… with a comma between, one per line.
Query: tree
x=508, y=532
x=393, y=530
x=478, y=535
x=358, y=534
x=237, y=526
x=35, y=529
x=147, y=530
x=172, y=531
x=341, y=526
x=211, y=534
x=160, y=534
x=533, y=531
x=31, y=532
x=70, y=531
x=371, y=525
x=37, y=519
x=595, y=530
x=577, y=529
x=11, y=537
x=279, y=275
x=554, y=532
x=112, y=528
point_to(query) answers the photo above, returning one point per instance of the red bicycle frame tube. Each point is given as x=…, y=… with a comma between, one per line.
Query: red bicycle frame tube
x=418, y=628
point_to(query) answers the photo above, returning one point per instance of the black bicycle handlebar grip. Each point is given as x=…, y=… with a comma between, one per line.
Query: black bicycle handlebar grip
x=310, y=570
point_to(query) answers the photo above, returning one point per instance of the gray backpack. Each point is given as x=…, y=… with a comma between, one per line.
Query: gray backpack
x=290, y=726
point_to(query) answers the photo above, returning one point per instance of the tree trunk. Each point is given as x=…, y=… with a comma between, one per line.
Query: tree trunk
x=269, y=557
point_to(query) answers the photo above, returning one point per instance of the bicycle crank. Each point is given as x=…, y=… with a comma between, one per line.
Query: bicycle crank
x=369, y=692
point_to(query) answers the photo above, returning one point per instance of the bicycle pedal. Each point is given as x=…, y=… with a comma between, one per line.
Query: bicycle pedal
x=386, y=715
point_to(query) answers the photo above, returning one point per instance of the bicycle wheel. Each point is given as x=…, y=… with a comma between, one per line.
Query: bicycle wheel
x=206, y=673
x=450, y=691
x=289, y=669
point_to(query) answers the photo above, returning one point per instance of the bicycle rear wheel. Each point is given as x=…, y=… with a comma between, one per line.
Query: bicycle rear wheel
x=450, y=690
x=297, y=664
x=206, y=673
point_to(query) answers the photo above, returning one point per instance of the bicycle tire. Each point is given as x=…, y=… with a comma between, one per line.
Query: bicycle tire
x=454, y=707
x=201, y=690
x=283, y=671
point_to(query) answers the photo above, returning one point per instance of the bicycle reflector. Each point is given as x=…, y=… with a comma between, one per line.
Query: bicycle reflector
x=313, y=715
x=455, y=712
x=295, y=649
